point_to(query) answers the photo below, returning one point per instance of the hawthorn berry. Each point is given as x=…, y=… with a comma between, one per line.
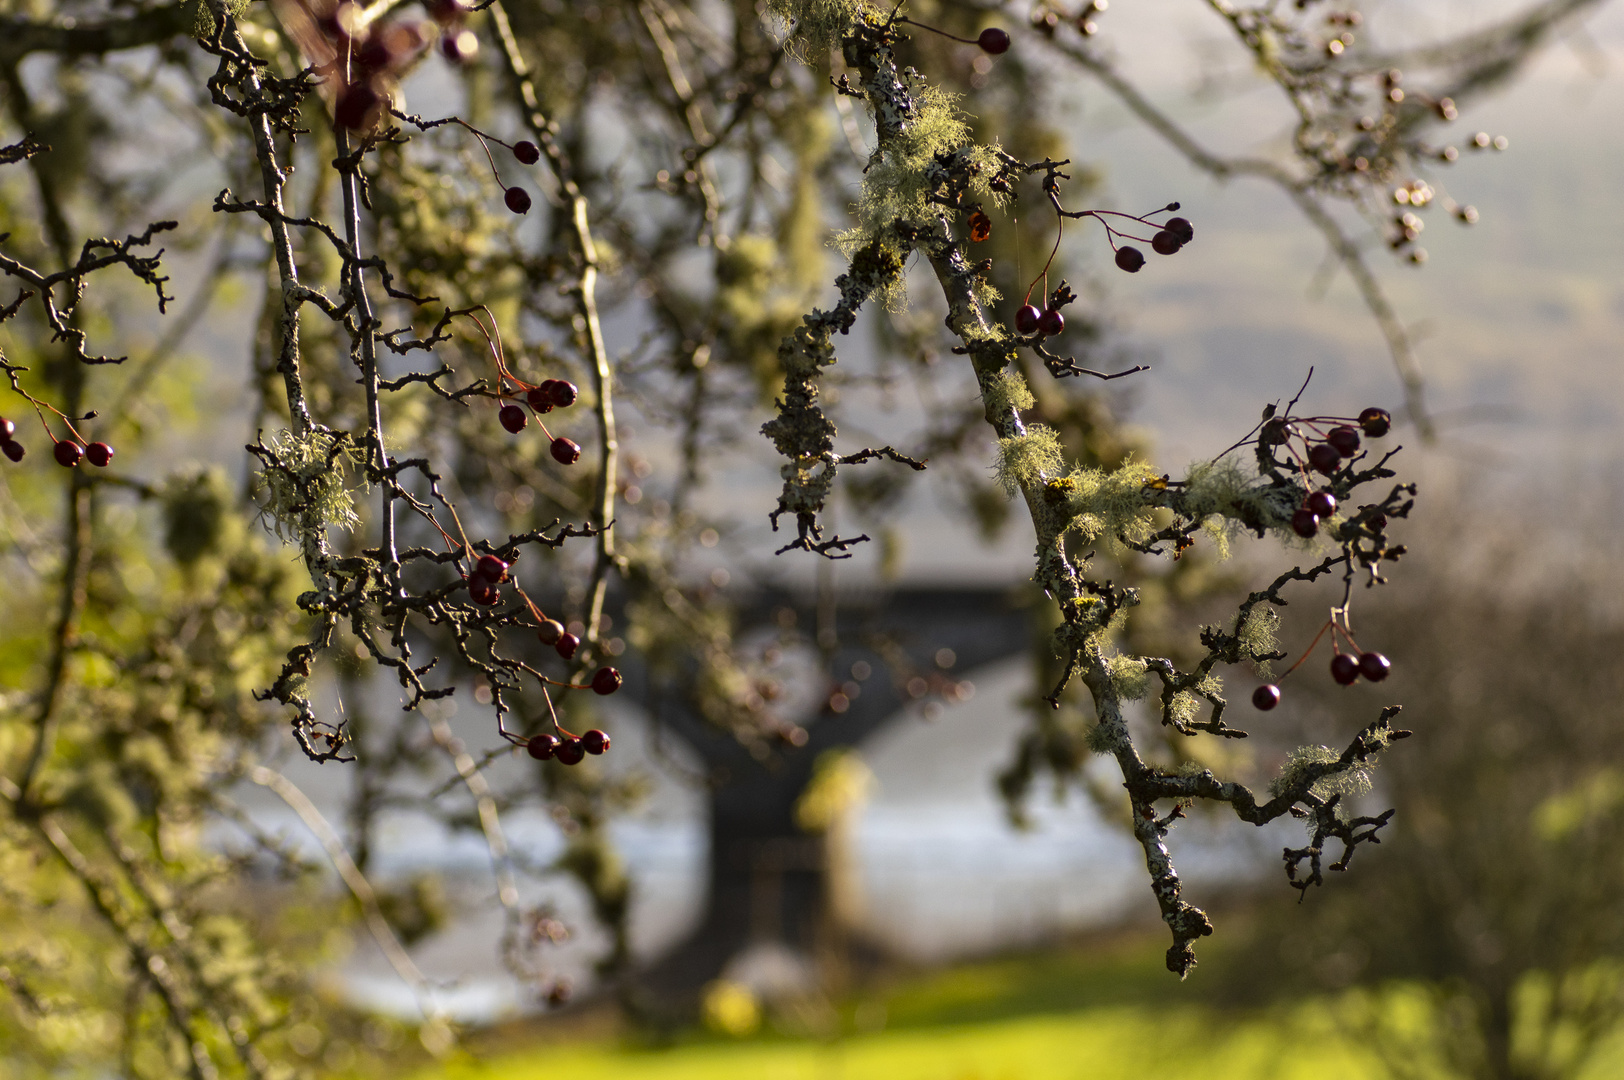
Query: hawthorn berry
x=446, y=11
x=68, y=453
x=605, y=681
x=1345, y=439
x=994, y=41
x=1277, y=432
x=566, y=645
x=517, y=200
x=1374, y=666
x=491, y=568
x=1165, y=243
x=13, y=450
x=1181, y=228
x=527, y=152
x=550, y=632
x=1324, y=457
x=482, y=592
x=541, y=398
x=512, y=418
x=1322, y=503
x=1305, y=523
x=1266, y=697
x=1376, y=422
x=1051, y=322
x=1130, y=259
x=99, y=454
x=1027, y=318
x=1344, y=669
x=542, y=747
x=459, y=47
x=562, y=392
x=570, y=751
x=357, y=107
x=594, y=741
x=565, y=451
x=8, y=430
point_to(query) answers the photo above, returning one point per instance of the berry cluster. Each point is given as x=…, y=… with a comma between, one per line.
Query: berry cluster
x=1320, y=444
x=544, y=398
x=568, y=749
x=1170, y=237
x=68, y=452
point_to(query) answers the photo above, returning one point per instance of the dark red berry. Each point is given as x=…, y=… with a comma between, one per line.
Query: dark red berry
x=1266, y=697
x=1374, y=666
x=12, y=450
x=606, y=680
x=594, y=741
x=446, y=11
x=482, y=592
x=1130, y=259
x=566, y=645
x=1325, y=458
x=562, y=392
x=539, y=399
x=68, y=453
x=570, y=752
x=512, y=418
x=1322, y=503
x=527, y=152
x=1344, y=669
x=459, y=46
x=565, y=451
x=491, y=568
x=1305, y=523
x=1052, y=322
x=1181, y=228
x=1376, y=422
x=1027, y=318
x=1345, y=439
x=517, y=199
x=1165, y=243
x=551, y=632
x=1277, y=431
x=993, y=40
x=542, y=747
x=358, y=107
x=8, y=430
x=373, y=55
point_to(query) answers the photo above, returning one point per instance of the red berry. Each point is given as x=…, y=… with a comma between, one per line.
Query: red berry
x=1322, y=503
x=491, y=568
x=565, y=451
x=993, y=40
x=1325, y=458
x=1344, y=669
x=1374, y=666
x=358, y=107
x=68, y=453
x=1305, y=523
x=459, y=46
x=373, y=55
x=1027, y=319
x=1051, y=322
x=12, y=450
x=1130, y=259
x=566, y=645
x=446, y=11
x=512, y=418
x=594, y=741
x=1277, y=432
x=8, y=430
x=1376, y=422
x=539, y=398
x=542, y=747
x=99, y=454
x=1165, y=243
x=551, y=632
x=1345, y=439
x=1266, y=697
x=482, y=592
x=570, y=752
x=562, y=392
x=1181, y=228
x=606, y=680
x=527, y=152
x=517, y=199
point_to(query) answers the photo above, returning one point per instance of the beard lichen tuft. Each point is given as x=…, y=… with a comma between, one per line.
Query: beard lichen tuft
x=304, y=479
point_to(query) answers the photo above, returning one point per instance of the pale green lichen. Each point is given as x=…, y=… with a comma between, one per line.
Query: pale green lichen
x=1130, y=677
x=813, y=27
x=1183, y=706
x=1024, y=459
x=1257, y=634
x=1006, y=390
x=1349, y=782
x=305, y=482
x=1118, y=504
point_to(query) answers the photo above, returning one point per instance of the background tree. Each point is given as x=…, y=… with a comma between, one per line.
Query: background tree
x=435, y=279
